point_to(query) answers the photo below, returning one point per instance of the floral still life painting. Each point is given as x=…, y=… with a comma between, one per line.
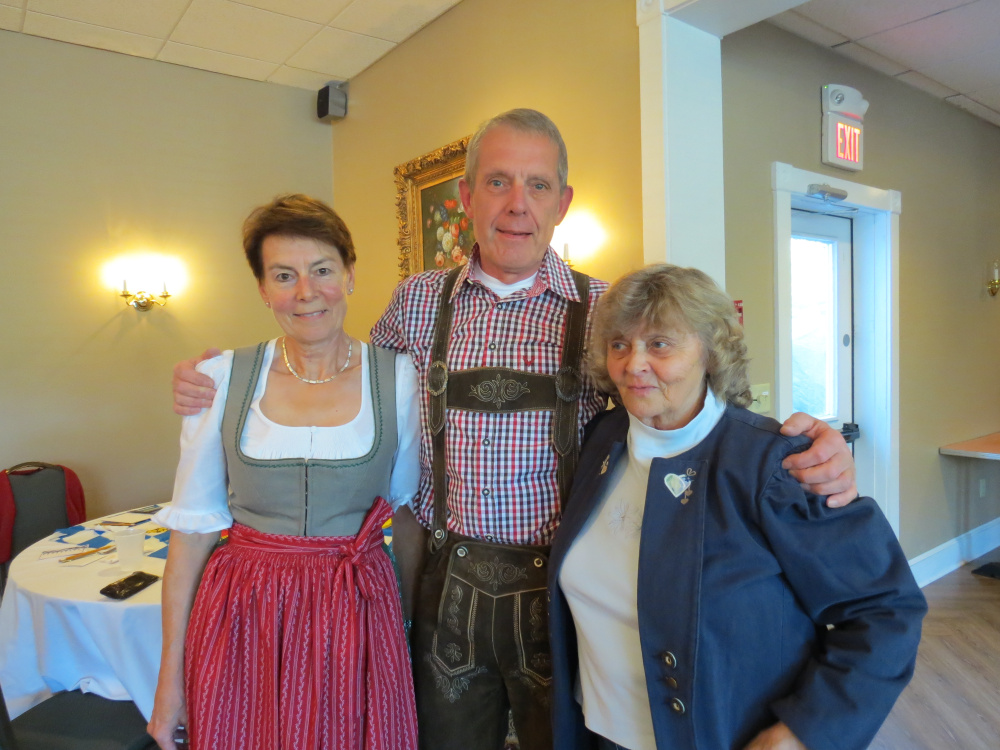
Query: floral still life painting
x=447, y=231
x=434, y=230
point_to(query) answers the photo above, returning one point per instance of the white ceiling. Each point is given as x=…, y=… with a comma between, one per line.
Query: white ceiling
x=948, y=48
x=302, y=43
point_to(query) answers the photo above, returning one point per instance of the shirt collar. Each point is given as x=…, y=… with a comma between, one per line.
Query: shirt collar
x=553, y=275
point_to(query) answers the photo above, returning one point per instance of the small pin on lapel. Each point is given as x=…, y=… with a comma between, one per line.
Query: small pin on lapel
x=676, y=484
x=604, y=466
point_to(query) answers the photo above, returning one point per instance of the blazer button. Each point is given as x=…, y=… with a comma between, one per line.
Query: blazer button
x=671, y=683
x=677, y=705
x=669, y=659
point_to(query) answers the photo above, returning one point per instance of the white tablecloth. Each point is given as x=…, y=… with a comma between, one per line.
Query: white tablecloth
x=57, y=632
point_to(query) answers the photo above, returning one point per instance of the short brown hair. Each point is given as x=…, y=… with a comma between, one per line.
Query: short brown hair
x=527, y=121
x=295, y=215
x=662, y=296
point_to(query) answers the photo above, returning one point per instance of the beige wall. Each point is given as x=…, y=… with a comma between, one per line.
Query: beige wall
x=103, y=153
x=577, y=62
x=946, y=164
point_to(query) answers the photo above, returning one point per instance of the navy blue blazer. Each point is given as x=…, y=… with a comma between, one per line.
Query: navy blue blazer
x=736, y=587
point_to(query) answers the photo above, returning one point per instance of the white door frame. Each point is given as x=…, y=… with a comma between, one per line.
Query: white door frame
x=876, y=322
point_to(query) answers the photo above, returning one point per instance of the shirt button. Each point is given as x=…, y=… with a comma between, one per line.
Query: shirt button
x=486, y=441
x=486, y=492
x=669, y=659
x=492, y=346
x=488, y=537
x=678, y=705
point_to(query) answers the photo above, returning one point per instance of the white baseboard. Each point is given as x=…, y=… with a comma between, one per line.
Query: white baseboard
x=951, y=555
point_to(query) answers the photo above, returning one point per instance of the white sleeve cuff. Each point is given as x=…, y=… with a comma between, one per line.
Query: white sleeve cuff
x=193, y=522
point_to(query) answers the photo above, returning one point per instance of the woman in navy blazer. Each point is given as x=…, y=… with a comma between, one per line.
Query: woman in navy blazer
x=700, y=598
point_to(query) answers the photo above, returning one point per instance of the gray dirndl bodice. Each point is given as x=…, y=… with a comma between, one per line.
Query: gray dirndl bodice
x=308, y=497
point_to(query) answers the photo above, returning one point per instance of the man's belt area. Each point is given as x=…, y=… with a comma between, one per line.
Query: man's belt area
x=505, y=390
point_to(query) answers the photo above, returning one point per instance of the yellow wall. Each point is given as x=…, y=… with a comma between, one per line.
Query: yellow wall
x=946, y=164
x=577, y=62
x=102, y=153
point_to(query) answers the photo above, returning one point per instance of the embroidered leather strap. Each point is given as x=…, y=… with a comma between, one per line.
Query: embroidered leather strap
x=503, y=389
x=569, y=388
x=437, y=388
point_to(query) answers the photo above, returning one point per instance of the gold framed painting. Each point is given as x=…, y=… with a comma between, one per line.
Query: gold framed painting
x=434, y=230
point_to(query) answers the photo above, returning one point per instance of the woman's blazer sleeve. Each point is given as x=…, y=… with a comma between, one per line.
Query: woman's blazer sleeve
x=847, y=570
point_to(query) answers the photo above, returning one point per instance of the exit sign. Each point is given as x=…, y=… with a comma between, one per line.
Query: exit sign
x=843, y=142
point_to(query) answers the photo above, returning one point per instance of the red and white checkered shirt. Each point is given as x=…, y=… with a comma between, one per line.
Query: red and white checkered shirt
x=501, y=468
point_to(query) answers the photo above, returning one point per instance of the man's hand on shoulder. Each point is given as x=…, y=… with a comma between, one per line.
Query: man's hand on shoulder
x=827, y=468
x=193, y=391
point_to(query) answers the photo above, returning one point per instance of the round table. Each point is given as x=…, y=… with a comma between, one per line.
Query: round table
x=57, y=632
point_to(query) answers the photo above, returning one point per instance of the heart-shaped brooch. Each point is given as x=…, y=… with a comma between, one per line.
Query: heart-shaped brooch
x=676, y=484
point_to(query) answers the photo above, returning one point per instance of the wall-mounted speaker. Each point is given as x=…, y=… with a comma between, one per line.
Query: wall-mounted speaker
x=331, y=101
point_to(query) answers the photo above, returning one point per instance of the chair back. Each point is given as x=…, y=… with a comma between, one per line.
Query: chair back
x=36, y=499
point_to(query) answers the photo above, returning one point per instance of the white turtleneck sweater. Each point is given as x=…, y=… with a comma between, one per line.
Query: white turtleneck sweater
x=600, y=581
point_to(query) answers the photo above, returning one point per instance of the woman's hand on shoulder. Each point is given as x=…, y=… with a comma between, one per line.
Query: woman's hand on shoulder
x=169, y=713
x=776, y=737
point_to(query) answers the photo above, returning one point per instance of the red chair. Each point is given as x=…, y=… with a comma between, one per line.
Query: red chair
x=36, y=499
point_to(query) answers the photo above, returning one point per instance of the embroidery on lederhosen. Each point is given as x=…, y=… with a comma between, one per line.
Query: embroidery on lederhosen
x=499, y=391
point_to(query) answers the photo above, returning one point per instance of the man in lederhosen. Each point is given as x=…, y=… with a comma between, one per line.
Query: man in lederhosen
x=497, y=345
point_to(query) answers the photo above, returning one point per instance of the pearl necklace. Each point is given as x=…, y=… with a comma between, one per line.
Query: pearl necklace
x=284, y=355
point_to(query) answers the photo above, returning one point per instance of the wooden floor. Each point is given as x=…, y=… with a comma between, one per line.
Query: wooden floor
x=953, y=702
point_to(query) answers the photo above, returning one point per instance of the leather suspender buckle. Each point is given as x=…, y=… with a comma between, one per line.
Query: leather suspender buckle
x=437, y=378
x=569, y=383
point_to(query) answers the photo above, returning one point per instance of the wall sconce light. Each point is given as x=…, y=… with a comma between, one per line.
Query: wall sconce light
x=143, y=301
x=144, y=271
x=583, y=232
x=993, y=285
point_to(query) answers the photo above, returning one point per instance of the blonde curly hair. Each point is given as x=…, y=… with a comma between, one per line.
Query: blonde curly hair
x=664, y=297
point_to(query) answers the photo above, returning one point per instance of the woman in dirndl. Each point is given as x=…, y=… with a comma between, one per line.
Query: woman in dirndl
x=290, y=635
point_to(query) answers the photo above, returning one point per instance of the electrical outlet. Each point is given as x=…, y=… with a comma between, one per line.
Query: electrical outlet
x=761, y=393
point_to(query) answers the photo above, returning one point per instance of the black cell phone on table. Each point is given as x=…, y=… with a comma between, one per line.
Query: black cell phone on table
x=129, y=585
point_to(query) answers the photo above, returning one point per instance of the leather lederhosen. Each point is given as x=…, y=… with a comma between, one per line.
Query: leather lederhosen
x=477, y=389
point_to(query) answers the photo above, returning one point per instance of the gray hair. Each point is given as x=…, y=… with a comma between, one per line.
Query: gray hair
x=661, y=297
x=527, y=121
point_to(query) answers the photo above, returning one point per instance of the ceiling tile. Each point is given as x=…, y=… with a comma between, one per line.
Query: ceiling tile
x=924, y=83
x=807, y=29
x=969, y=72
x=860, y=18
x=395, y=20
x=339, y=54
x=865, y=56
x=11, y=18
x=317, y=11
x=988, y=97
x=241, y=30
x=89, y=35
x=217, y=62
x=970, y=29
x=301, y=79
x=147, y=17
x=975, y=108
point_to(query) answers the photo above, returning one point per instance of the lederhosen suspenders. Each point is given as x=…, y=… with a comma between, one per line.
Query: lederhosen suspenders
x=502, y=389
